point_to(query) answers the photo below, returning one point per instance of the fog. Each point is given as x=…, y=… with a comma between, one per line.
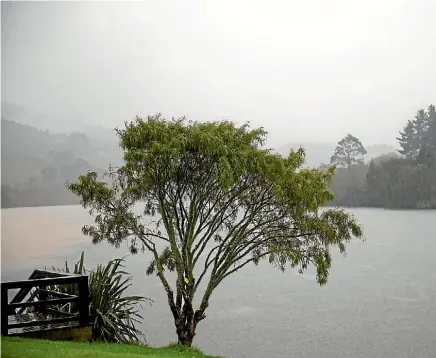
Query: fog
x=305, y=70
x=350, y=81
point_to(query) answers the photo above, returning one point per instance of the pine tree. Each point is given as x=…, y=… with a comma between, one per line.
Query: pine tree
x=428, y=150
x=416, y=135
x=407, y=140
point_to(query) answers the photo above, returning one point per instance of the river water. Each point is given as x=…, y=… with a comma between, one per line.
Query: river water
x=380, y=300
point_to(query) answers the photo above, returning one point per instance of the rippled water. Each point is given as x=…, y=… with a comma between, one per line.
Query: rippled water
x=380, y=300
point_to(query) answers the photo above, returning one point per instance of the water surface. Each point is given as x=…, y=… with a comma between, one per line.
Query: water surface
x=380, y=300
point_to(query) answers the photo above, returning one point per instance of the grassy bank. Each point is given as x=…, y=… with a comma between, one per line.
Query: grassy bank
x=32, y=348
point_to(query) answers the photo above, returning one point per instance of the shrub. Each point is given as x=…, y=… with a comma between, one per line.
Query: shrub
x=113, y=313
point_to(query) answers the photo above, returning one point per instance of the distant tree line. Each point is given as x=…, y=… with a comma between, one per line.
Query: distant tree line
x=37, y=164
x=400, y=181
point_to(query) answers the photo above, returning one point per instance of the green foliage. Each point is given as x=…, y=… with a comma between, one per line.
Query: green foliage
x=349, y=151
x=114, y=313
x=391, y=182
x=220, y=201
x=13, y=347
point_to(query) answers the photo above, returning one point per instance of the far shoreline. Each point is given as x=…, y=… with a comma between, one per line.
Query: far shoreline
x=325, y=206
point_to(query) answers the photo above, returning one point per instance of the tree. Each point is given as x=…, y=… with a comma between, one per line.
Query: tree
x=418, y=139
x=349, y=151
x=428, y=150
x=407, y=140
x=221, y=201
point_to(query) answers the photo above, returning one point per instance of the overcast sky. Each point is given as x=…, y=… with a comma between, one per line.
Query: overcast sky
x=309, y=70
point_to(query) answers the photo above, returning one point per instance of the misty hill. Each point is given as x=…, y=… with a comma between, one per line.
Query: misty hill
x=26, y=151
x=55, y=122
x=36, y=163
x=320, y=153
x=23, y=139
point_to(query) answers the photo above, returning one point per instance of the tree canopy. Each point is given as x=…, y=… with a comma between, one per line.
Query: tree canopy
x=220, y=201
x=349, y=151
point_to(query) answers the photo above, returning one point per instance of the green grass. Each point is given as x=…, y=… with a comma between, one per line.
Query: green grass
x=12, y=347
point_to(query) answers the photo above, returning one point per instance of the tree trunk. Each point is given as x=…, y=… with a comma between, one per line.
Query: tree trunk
x=186, y=334
x=186, y=323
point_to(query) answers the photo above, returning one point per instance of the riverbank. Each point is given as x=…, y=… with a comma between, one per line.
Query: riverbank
x=12, y=347
x=76, y=202
x=329, y=205
x=350, y=206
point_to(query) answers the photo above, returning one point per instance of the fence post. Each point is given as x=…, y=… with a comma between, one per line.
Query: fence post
x=5, y=311
x=83, y=300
